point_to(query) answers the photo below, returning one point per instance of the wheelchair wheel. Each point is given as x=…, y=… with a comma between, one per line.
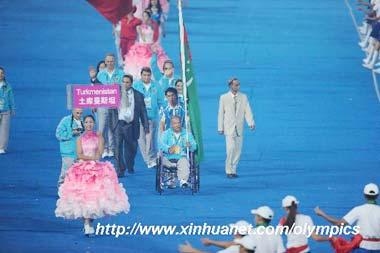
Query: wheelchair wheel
x=194, y=179
x=158, y=177
x=197, y=178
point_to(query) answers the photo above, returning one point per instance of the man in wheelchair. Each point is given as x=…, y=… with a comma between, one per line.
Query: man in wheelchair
x=173, y=145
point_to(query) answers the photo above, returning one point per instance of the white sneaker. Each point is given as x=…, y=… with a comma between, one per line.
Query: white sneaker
x=183, y=183
x=105, y=154
x=362, y=44
x=368, y=66
x=152, y=165
x=110, y=153
x=2, y=151
x=88, y=229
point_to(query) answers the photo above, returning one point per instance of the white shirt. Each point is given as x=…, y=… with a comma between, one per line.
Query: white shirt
x=367, y=217
x=297, y=240
x=231, y=249
x=267, y=243
x=147, y=86
x=110, y=73
x=126, y=111
x=78, y=122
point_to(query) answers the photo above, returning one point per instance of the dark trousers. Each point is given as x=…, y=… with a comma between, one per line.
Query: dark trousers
x=125, y=146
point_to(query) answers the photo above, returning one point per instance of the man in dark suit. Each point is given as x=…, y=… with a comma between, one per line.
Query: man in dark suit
x=125, y=125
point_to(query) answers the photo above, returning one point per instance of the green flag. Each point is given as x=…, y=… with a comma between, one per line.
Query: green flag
x=193, y=101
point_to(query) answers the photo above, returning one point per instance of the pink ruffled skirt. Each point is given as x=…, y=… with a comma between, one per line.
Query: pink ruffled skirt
x=91, y=190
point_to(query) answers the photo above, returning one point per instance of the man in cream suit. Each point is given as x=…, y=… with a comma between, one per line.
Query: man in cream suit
x=233, y=108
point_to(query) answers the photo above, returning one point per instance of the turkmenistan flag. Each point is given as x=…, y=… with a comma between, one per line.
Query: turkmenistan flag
x=193, y=101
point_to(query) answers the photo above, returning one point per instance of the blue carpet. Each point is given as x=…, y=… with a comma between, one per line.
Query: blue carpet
x=316, y=112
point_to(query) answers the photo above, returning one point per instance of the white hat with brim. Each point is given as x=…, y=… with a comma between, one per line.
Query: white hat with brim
x=264, y=211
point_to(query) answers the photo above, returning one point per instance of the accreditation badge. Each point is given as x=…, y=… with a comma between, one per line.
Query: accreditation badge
x=148, y=102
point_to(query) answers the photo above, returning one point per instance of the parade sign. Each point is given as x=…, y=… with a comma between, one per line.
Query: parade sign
x=87, y=96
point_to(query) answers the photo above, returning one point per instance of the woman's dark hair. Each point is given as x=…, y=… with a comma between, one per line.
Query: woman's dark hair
x=148, y=12
x=159, y=8
x=172, y=90
x=98, y=66
x=89, y=116
x=178, y=80
x=130, y=77
x=291, y=219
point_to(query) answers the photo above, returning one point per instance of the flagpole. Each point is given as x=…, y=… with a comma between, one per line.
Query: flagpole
x=183, y=66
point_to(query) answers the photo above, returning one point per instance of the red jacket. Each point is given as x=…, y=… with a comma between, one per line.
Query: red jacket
x=128, y=29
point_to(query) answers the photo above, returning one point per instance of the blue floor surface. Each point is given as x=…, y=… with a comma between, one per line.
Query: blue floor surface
x=315, y=108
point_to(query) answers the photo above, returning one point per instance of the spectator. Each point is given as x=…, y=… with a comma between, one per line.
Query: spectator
x=241, y=227
x=297, y=243
x=366, y=217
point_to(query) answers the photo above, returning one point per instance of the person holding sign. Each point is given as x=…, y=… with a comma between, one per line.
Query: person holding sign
x=174, y=144
x=108, y=76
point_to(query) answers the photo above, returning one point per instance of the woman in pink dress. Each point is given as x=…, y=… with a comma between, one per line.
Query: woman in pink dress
x=141, y=53
x=91, y=189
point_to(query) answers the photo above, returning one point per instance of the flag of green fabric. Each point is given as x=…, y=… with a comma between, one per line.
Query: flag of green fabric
x=193, y=100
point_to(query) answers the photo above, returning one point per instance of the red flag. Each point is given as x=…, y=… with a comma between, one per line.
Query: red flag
x=112, y=10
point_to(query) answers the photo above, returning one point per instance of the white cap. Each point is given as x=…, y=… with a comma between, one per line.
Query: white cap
x=371, y=189
x=288, y=200
x=264, y=211
x=242, y=227
x=247, y=242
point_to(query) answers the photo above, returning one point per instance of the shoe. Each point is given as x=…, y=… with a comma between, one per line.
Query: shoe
x=105, y=154
x=171, y=184
x=234, y=175
x=131, y=171
x=110, y=153
x=368, y=66
x=121, y=175
x=151, y=165
x=362, y=44
x=2, y=151
x=377, y=71
x=229, y=175
x=88, y=230
x=184, y=184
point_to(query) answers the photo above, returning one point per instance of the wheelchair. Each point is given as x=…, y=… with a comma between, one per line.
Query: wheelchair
x=167, y=176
